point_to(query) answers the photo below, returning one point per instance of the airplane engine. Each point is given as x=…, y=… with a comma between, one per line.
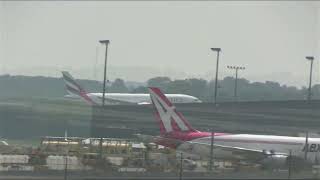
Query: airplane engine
x=275, y=161
x=282, y=161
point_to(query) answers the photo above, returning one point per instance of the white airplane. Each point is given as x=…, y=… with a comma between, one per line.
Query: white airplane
x=268, y=150
x=76, y=91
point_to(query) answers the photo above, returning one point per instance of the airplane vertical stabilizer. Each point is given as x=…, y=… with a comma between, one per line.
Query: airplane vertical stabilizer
x=169, y=118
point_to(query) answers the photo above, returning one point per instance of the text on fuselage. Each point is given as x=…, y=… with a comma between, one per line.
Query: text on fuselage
x=311, y=147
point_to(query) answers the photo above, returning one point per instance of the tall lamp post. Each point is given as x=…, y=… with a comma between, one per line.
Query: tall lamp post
x=310, y=58
x=306, y=147
x=236, y=68
x=106, y=42
x=217, y=72
x=211, y=162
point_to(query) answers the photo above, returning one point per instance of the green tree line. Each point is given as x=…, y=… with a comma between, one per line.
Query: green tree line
x=247, y=91
x=38, y=86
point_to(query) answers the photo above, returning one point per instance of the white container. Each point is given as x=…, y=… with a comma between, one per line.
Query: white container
x=59, y=163
x=118, y=161
x=14, y=159
x=129, y=169
x=4, y=168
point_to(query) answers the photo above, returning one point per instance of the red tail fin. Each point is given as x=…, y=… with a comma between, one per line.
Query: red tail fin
x=169, y=118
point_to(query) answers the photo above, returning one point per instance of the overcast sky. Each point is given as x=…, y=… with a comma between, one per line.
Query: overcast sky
x=148, y=39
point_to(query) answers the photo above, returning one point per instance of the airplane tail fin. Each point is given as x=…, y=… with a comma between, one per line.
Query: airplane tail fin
x=170, y=120
x=74, y=89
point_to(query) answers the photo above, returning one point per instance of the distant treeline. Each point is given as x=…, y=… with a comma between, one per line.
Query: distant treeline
x=38, y=86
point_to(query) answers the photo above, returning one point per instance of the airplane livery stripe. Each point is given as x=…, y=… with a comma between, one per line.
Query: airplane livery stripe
x=70, y=80
x=73, y=91
x=72, y=85
x=87, y=98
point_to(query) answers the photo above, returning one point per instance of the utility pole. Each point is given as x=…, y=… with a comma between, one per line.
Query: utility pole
x=310, y=58
x=106, y=42
x=181, y=166
x=66, y=163
x=236, y=68
x=211, y=151
x=100, y=148
x=66, y=168
x=217, y=73
x=306, y=149
x=290, y=164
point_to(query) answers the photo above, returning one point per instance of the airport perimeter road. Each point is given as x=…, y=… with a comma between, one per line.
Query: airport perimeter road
x=29, y=178
x=110, y=178
x=91, y=178
x=125, y=178
x=278, y=175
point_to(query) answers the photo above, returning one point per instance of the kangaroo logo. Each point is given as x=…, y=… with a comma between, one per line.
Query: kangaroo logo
x=167, y=113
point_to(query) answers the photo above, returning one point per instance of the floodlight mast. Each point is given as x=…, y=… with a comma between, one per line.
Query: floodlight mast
x=218, y=50
x=311, y=59
x=106, y=42
x=236, y=68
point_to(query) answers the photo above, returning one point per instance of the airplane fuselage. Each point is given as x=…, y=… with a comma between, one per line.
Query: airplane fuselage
x=127, y=98
x=117, y=98
x=268, y=143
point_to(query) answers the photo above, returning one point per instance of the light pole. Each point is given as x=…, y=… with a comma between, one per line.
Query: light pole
x=310, y=58
x=290, y=162
x=217, y=71
x=181, y=166
x=211, y=162
x=306, y=147
x=66, y=163
x=236, y=68
x=106, y=42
